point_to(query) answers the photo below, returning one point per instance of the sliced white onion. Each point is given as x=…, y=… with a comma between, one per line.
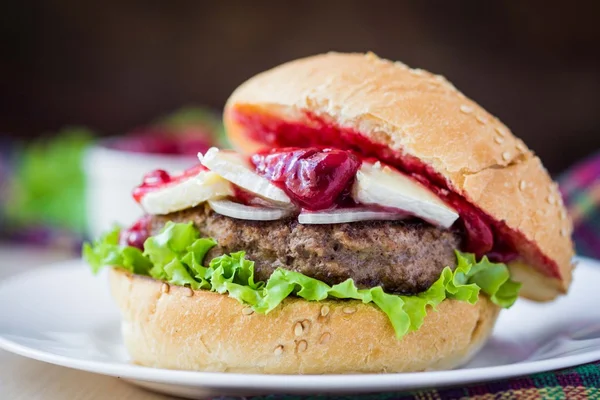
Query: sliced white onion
x=240, y=211
x=341, y=216
x=236, y=169
x=186, y=194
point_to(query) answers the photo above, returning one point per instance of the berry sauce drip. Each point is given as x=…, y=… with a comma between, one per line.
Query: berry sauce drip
x=136, y=235
x=159, y=178
x=314, y=178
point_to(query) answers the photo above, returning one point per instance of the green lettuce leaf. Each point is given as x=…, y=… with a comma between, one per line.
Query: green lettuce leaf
x=176, y=255
x=107, y=252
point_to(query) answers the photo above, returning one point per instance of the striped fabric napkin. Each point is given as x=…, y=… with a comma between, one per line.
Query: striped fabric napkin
x=580, y=187
x=579, y=383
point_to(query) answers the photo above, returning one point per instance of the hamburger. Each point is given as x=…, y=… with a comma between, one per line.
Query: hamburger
x=370, y=219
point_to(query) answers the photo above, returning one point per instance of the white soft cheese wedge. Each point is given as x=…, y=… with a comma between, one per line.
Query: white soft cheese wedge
x=233, y=167
x=186, y=193
x=387, y=187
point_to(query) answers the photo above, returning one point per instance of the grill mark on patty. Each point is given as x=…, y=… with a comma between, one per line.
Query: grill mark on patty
x=401, y=256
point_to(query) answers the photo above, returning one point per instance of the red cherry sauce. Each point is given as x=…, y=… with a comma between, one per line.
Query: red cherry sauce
x=483, y=234
x=314, y=178
x=137, y=234
x=159, y=178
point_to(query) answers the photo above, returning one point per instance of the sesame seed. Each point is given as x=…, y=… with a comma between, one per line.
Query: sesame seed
x=298, y=329
x=247, y=311
x=554, y=188
x=416, y=71
x=520, y=146
x=188, y=292
x=466, y=109
x=498, y=140
x=481, y=119
x=522, y=185
x=500, y=131
x=324, y=311
x=563, y=232
x=306, y=325
x=506, y=156
x=551, y=199
x=302, y=346
x=349, y=310
x=563, y=214
x=165, y=288
x=396, y=63
x=439, y=78
x=325, y=338
x=278, y=350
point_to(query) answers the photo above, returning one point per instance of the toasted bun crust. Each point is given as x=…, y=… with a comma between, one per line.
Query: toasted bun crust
x=177, y=328
x=421, y=115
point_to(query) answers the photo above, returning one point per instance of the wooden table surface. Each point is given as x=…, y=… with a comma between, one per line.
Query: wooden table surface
x=25, y=379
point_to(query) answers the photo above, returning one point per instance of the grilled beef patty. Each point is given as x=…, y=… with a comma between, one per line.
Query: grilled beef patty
x=401, y=256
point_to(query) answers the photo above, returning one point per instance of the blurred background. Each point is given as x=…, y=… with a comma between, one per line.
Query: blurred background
x=152, y=77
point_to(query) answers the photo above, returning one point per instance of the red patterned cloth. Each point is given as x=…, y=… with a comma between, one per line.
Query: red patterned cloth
x=581, y=190
x=578, y=383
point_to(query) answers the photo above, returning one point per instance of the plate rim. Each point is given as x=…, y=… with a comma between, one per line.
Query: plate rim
x=295, y=383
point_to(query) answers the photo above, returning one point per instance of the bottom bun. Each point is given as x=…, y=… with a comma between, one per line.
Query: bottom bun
x=177, y=328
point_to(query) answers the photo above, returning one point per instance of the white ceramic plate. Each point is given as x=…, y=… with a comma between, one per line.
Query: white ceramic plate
x=63, y=315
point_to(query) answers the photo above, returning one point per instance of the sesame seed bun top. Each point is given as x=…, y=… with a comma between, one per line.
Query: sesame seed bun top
x=418, y=115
